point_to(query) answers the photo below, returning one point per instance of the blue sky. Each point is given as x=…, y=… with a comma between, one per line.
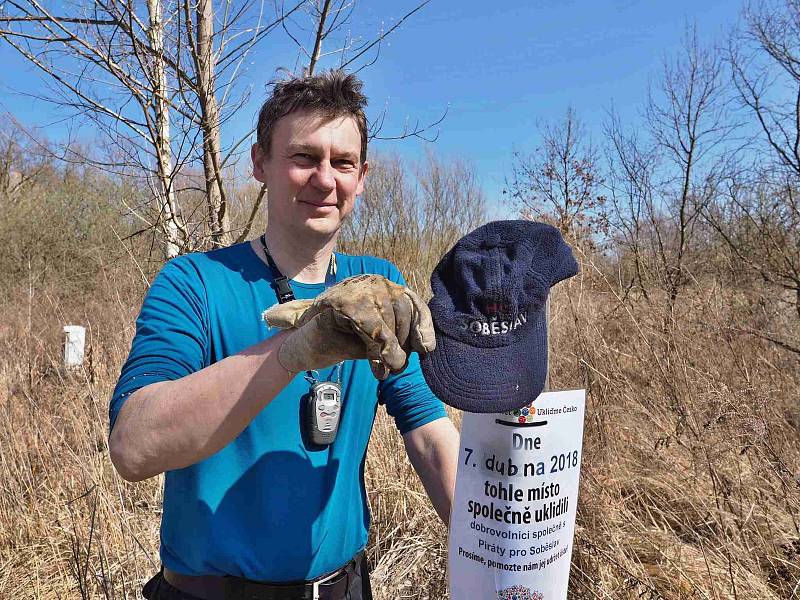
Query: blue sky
x=498, y=68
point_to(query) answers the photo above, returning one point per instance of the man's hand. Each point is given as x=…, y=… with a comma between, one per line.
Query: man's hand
x=366, y=316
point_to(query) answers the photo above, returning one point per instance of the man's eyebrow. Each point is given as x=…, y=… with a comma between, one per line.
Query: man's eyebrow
x=312, y=150
x=292, y=148
x=354, y=156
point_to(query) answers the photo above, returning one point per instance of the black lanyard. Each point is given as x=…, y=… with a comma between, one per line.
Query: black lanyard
x=282, y=288
x=285, y=294
x=320, y=392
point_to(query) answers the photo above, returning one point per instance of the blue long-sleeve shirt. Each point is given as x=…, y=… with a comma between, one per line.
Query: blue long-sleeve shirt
x=266, y=506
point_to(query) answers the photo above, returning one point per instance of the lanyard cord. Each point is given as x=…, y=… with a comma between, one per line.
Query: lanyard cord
x=285, y=294
x=284, y=290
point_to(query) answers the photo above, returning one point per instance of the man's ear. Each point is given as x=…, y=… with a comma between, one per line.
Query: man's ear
x=257, y=156
x=361, y=176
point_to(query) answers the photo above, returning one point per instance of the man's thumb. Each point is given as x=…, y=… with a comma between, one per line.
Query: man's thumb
x=286, y=316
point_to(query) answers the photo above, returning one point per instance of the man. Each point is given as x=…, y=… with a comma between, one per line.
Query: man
x=214, y=398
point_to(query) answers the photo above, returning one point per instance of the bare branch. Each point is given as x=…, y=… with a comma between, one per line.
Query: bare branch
x=417, y=130
x=253, y=212
x=319, y=37
x=380, y=38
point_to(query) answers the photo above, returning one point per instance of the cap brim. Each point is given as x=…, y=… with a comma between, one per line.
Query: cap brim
x=489, y=380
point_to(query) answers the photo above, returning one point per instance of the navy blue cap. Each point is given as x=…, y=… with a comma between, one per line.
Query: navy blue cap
x=488, y=309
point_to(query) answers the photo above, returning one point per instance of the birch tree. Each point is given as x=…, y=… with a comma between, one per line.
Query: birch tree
x=159, y=80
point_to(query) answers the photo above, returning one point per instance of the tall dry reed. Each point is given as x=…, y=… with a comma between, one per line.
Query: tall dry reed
x=690, y=469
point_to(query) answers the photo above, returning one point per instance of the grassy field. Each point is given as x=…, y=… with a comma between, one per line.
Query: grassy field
x=691, y=468
x=683, y=325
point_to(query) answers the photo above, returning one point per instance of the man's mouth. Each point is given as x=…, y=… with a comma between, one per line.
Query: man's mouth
x=319, y=204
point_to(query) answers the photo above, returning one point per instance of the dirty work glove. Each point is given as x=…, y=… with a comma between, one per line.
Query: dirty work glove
x=366, y=316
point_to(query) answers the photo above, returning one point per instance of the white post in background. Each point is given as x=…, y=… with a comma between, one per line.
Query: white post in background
x=74, y=344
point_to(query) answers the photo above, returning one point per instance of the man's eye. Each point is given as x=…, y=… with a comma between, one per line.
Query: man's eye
x=303, y=157
x=344, y=164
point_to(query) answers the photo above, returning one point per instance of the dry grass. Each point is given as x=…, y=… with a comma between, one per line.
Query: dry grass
x=691, y=468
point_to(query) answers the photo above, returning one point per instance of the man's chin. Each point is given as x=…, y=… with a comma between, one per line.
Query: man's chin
x=322, y=226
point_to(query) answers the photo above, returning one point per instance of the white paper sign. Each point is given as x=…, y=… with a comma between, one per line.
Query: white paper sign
x=513, y=517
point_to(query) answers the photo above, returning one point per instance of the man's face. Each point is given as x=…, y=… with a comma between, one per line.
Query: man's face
x=313, y=172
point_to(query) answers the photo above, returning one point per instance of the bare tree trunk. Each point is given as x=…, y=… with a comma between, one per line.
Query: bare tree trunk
x=209, y=122
x=676, y=275
x=165, y=192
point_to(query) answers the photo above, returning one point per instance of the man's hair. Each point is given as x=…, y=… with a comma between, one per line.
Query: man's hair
x=330, y=94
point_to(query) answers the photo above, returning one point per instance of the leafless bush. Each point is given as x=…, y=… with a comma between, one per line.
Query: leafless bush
x=662, y=179
x=560, y=182
x=414, y=217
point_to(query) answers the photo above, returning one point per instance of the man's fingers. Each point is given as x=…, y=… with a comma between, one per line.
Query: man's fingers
x=403, y=318
x=320, y=343
x=366, y=315
x=375, y=340
x=422, y=338
x=380, y=342
x=287, y=315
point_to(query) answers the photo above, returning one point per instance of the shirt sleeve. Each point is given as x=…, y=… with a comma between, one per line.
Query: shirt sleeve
x=407, y=396
x=171, y=338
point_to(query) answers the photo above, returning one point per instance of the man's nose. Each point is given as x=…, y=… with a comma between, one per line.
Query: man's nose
x=323, y=177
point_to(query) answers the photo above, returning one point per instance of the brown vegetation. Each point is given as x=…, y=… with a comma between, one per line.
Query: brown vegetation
x=690, y=472
x=683, y=326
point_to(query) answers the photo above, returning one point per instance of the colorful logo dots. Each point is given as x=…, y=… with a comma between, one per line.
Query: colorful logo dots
x=524, y=414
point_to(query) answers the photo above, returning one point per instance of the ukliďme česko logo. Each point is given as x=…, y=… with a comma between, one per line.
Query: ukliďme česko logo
x=526, y=414
x=519, y=592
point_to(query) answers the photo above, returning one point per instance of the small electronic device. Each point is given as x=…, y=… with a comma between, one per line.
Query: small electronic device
x=323, y=411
